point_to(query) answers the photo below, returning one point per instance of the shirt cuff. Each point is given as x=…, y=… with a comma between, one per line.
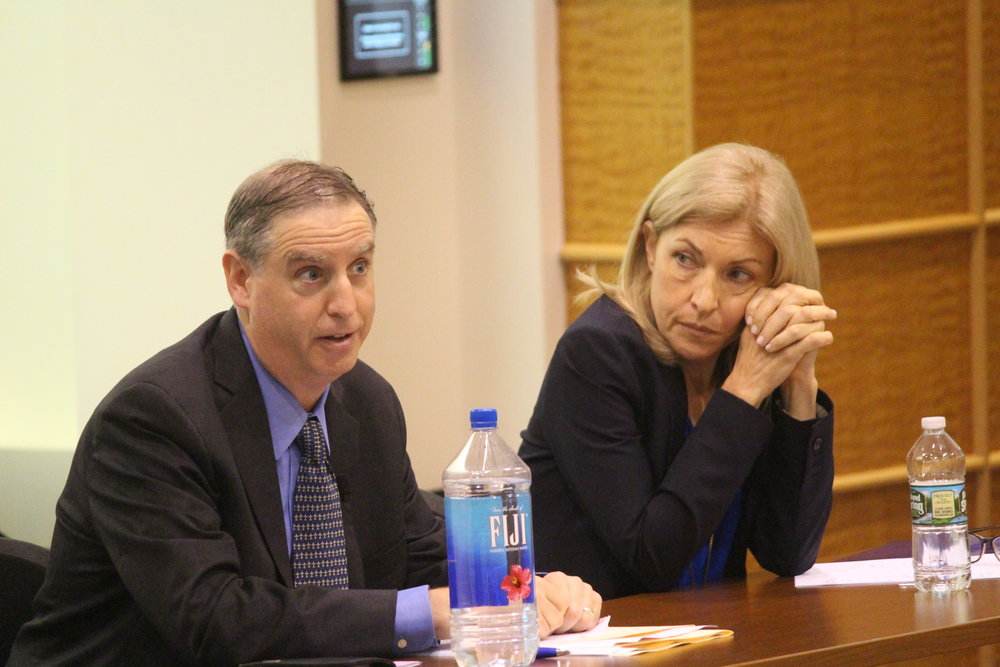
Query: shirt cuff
x=414, y=623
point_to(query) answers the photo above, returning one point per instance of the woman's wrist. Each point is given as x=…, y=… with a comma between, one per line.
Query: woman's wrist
x=747, y=391
x=798, y=398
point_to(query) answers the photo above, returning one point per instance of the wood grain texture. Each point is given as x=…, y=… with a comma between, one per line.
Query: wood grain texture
x=872, y=517
x=866, y=519
x=993, y=344
x=991, y=101
x=995, y=505
x=625, y=90
x=901, y=347
x=866, y=100
x=775, y=623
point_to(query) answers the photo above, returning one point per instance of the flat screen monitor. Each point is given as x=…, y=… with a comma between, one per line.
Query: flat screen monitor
x=387, y=38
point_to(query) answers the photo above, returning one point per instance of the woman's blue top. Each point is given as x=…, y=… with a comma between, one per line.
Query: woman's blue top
x=710, y=561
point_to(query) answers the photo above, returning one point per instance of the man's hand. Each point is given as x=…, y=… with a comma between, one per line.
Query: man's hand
x=565, y=604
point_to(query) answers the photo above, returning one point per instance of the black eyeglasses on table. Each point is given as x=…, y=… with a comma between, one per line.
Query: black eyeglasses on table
x=979, y=544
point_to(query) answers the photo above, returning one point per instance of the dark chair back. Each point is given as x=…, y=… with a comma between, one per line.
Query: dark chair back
x=22, y=569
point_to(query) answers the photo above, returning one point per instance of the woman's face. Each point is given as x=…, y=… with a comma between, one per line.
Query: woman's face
x=703, y=275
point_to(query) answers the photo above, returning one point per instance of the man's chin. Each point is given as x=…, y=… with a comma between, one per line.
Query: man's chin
x=340, y=367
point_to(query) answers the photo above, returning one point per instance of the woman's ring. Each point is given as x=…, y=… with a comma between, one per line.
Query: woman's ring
x=588, y=610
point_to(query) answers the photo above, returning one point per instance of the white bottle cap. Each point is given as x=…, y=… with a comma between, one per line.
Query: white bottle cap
x=932, y=423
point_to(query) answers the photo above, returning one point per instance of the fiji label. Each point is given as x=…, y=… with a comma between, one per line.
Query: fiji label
x=938, y=505
x=490, y=558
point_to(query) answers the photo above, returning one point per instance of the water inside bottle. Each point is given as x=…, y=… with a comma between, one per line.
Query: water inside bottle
x=494, y=636
x=941, y=558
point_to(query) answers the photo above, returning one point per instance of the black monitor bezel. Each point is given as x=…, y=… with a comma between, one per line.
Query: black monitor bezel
x=345, y=31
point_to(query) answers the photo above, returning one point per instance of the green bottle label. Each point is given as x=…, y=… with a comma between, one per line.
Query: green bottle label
x=938, y=505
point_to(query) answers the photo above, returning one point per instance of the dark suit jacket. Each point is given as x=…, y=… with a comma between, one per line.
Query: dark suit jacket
x=169, y=546
x=622, y=498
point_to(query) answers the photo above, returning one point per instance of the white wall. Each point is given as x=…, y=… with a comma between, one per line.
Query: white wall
x=125, y=127
x=464, y=170
x=37, y=352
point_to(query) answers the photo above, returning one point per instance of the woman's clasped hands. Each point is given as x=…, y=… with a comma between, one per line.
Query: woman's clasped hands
x=785, y=328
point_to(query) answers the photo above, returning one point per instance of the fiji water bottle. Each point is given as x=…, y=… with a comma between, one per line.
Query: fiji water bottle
x=490, y=556
x=937, y=502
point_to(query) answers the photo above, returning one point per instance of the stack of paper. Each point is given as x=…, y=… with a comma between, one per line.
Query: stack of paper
x=605, y=640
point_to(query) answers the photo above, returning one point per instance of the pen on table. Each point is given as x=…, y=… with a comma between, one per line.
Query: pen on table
x=544, y=652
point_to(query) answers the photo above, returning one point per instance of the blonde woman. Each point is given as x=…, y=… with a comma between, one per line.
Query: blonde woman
x=680, y=421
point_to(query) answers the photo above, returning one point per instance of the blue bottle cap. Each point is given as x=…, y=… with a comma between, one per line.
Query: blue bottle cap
x=483, y=418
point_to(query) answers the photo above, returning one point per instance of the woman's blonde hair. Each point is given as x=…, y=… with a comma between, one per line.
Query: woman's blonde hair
x=723, y=183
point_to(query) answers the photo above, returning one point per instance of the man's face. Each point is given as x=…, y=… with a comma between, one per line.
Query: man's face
x=310, y=306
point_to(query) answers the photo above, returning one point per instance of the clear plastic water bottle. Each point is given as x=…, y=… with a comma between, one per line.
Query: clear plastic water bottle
x=490, y=551
x=936, y=467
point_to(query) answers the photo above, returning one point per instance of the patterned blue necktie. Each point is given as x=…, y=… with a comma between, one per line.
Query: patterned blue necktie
x=319, y=554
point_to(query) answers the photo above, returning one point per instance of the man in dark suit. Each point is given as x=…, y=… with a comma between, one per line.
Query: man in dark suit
x=174, y=540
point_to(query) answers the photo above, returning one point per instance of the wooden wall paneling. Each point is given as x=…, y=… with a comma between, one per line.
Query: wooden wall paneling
x=901, y=345
x=992, y=519
x=625, y=91
x=866, y=100
x=980, y=476
x=867, y=518
x=991, y=100
x=993, y=357
x=889, y=115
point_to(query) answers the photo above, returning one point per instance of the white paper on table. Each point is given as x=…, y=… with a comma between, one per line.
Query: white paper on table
x=605, y=640
x=884, y=571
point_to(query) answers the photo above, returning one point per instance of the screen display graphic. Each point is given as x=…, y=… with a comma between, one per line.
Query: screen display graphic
x=381, y=38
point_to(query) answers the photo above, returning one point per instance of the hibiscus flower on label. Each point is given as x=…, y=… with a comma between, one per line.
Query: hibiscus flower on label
x=517, y=583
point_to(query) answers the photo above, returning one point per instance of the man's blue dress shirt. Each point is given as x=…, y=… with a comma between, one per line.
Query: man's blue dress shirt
x=414, y=623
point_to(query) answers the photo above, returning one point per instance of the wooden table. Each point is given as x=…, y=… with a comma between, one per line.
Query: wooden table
x=776, y=624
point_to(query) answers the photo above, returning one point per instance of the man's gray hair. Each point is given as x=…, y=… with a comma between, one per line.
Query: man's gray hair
x=285, y=186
